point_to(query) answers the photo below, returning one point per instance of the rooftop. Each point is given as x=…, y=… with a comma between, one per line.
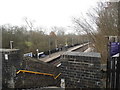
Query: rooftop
x=88, y=54
x=7, y=50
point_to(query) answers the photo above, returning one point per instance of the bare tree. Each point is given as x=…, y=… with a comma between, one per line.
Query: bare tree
x=29, y=23
x=102, y=21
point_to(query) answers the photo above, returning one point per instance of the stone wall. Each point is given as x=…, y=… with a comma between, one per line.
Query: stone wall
x=11, y=61
x=81, y=70
x=31, y=80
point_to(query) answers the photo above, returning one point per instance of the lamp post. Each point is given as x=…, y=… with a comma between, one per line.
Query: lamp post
x=37, y=53
x=66, y=42
x=72, y=41
x=11, y=44
x=56, y=43
x=49, y=46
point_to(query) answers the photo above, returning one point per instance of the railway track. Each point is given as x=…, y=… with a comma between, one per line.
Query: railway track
x=81, y=48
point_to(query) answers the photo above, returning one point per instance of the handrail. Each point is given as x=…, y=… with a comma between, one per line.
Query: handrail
x=26, y=71
x=57, y=76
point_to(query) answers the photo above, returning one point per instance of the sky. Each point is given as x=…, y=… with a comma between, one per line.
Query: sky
x=43, y=13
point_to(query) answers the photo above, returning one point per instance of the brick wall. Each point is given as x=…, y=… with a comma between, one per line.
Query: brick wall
x=81, y=70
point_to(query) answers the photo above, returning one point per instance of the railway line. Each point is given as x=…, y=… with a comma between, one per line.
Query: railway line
x=81, y=48
x=52, y=57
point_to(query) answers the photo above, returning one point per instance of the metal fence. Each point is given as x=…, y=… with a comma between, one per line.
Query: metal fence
x=113, y=67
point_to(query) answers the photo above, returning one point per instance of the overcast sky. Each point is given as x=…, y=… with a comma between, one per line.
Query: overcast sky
x=44, y=13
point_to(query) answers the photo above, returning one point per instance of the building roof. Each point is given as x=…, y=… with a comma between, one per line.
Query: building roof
x=87, y=54
x=8, y=50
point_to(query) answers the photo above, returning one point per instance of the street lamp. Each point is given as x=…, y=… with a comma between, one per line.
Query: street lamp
x=56, y=43
x=72, y=41
x=11, y=44
x=37, y=54
x=49, y=46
